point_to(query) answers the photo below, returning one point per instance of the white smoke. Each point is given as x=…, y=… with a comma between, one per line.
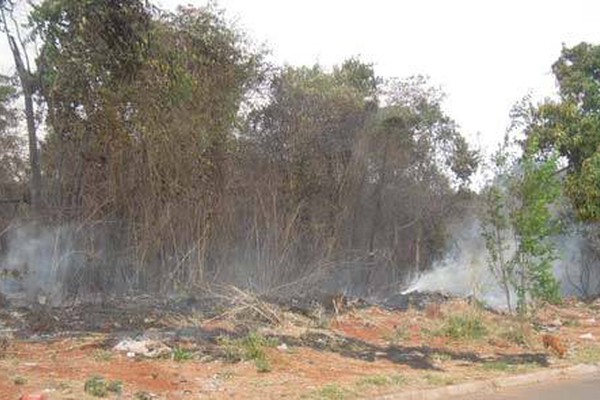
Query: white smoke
x=464, y=270
x=39, y=256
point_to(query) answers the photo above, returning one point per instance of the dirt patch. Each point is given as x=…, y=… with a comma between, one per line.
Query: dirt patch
x=264, y=350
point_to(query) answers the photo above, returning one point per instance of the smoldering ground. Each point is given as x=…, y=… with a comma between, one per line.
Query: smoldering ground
x=464, y=271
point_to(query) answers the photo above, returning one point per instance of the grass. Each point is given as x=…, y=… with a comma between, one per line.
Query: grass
x=226, y=375
x=498, y=366
x=519, y=333
x=97, y=386
x=331, y=392
x=19, y=380
x=180, y=354
x=573, y=323
x=102, y=355
x=464, y=327
x=441, y=356
x=382, y=380
x=374, y=380
x=439, y=379
x=399, y=335
x=588, y=355
x=251, y=347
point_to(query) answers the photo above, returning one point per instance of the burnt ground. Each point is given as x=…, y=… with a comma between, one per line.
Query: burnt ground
x=236, y=345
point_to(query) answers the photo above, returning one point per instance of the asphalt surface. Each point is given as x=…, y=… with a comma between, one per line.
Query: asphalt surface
x=580, y=389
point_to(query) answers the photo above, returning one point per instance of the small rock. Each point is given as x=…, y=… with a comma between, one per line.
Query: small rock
x=587, y=336
x=591, y=321
x=283, y=347
x=130, y=354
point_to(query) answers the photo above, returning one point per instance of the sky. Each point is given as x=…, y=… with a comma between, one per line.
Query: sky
x=485, y=55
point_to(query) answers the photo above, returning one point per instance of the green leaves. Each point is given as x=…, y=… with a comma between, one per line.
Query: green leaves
x=572, y=126
x=519, y=225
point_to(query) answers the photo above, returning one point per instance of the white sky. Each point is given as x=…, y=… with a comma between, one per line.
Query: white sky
x=485, y=55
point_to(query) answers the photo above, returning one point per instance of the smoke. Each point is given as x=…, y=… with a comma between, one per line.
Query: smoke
x=464, y=270
x=50, y=265
x=34, y=258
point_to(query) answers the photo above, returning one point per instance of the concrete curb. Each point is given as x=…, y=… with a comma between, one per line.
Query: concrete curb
x=493, y=385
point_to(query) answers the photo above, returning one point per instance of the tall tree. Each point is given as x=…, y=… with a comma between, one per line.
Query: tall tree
x=29, y=84
x=571, y=125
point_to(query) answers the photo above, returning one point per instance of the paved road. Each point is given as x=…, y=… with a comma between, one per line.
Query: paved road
x=582, y=389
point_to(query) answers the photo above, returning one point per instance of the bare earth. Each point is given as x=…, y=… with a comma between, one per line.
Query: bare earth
x=359, y=353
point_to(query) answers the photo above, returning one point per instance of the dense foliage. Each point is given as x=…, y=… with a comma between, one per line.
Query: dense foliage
x=183, y=158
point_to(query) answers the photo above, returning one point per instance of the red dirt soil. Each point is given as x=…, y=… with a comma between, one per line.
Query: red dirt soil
x=60, y=368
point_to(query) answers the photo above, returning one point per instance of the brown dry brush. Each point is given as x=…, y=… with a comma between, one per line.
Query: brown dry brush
x=165, y=185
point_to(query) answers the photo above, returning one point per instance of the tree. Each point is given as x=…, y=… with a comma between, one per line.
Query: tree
x=12, y=163
x=496, y=226
x=415, y=153
x=142, y=107
x=571, y=126
x=519, y=225
x=534, y=225
x=29, y=84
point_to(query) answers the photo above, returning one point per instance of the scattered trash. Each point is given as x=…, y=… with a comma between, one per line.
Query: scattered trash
x=143, y=347
x=283, y=347
x=587, y=336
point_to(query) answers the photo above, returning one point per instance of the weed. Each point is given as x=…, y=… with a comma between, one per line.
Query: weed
x=430, y=333
x=374, y=380
x=439, y=379
x=332, y=392
x=321, y=318
x=573, y=323
x=64, y=387
x=102, y=355
x=225, y=375
x=397, y=380
x=382, y=380
x=115, y=387
x=399, y=335
x=518, y=333
x=19, y=380
x=468, y=327
x=498, y=366
x=180, y=354
x=143, y=396
x=251, y=347
x=97, y=386
x=441, y=357
x=588, y=355
x=262, y=365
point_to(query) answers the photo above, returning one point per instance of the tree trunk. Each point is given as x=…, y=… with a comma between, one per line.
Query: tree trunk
x=25, y=76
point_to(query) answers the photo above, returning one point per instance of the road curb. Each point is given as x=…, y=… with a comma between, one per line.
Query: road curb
x=496, y=384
